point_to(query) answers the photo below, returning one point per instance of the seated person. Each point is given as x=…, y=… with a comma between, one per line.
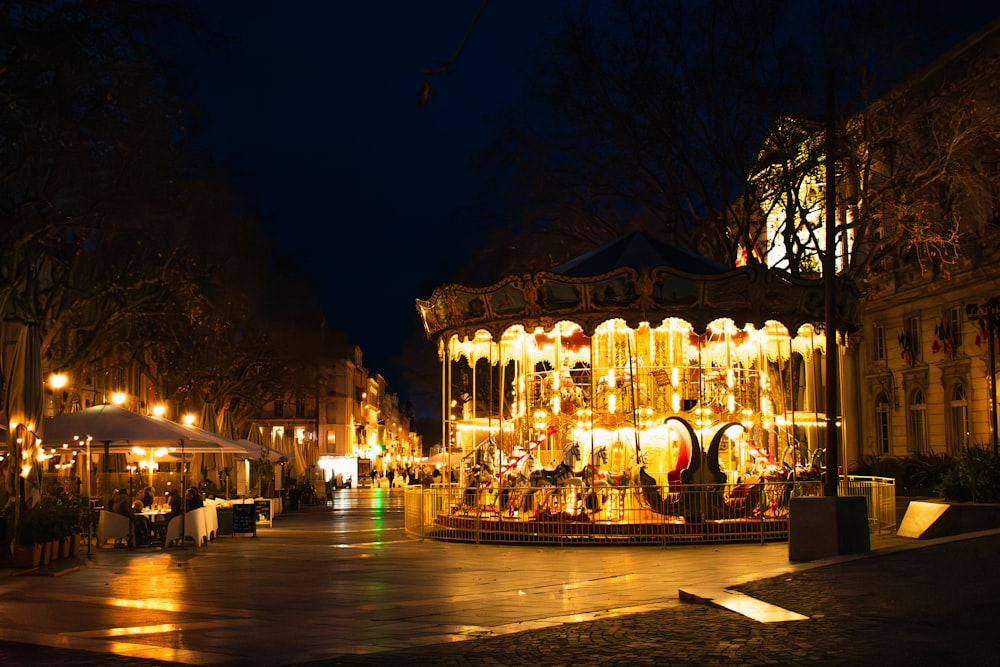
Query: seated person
x=148, y=498
x=192, y=499
x=176, y=508
x=121, y=503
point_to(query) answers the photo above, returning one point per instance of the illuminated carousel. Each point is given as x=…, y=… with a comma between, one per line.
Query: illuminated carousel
x=637, y=393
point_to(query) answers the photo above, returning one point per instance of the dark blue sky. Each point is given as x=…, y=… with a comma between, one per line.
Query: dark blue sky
x=313, y=108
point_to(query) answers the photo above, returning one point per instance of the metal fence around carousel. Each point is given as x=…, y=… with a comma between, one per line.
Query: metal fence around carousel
x=628, y=515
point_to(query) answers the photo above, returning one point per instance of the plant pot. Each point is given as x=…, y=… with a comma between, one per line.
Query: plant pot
x=55, y=546
x=65, y=544
x=27, y=555
x=74, y=545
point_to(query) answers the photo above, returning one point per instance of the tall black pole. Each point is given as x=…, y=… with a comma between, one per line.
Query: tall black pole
x=991, y=316
x=829, y=283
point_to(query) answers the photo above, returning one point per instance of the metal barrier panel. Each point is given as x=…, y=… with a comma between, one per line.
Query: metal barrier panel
x=755, y=512
x=880, y=493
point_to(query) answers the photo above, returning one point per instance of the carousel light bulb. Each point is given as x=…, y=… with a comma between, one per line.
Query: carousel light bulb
x=674, y=376
x=611, y=404
x=730, y=378
x=555, y=405
x=730, y=403
x=675, y=402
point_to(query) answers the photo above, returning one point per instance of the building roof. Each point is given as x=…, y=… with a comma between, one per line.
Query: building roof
x=637, y=250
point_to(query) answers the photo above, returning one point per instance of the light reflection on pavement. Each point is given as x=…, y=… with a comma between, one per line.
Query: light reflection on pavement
x=326, y=581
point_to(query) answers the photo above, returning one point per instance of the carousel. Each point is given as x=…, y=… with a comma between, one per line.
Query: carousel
x=637, y=393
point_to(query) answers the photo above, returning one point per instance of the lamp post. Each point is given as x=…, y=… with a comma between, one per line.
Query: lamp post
x=987, y=314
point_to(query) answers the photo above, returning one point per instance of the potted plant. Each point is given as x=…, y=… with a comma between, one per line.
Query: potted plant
x=32, y=538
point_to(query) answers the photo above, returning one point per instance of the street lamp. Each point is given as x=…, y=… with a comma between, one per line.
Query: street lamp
x=57, y=382
x=988, y=313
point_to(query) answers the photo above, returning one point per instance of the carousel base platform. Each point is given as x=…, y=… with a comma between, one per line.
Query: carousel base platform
x=565, y=529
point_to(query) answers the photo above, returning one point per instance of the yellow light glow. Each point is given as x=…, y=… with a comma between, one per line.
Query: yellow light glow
x=118, y=398
x=188, y=419
x=159, y=410
x=58, y=380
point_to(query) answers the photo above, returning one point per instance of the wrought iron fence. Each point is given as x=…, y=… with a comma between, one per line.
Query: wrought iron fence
x=754, y=512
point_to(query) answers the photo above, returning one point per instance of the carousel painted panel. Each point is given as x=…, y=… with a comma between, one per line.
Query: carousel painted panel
x=557, y=296
x=617, y=292
x=673, y=291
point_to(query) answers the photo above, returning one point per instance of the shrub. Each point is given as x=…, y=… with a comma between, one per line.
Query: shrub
x=975, y=477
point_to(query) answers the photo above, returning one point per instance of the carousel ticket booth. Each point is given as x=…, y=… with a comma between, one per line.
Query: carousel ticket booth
x=678, y=400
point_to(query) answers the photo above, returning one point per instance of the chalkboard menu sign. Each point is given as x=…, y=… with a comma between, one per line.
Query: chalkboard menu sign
x=263, y=508
x=244, y=519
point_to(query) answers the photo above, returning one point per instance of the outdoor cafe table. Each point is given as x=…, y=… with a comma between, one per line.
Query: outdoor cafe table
x=157, y=524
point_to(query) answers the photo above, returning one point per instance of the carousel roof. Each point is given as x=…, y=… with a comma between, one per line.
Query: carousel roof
x=637, y=250
x=637, y=279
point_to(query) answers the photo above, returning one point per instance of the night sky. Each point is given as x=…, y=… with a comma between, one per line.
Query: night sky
x=312, y=108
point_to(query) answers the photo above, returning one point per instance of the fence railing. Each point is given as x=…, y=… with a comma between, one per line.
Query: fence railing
x=755, y=512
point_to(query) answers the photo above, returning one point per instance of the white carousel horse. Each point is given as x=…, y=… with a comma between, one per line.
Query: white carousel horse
x=593, y=474
x=563, y=470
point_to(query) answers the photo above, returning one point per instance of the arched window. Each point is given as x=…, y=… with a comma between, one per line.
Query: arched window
x=958, y=432
x=918, y=422
x=882, y=424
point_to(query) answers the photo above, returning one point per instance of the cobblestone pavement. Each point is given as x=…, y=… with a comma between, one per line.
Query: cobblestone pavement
x=935, y=604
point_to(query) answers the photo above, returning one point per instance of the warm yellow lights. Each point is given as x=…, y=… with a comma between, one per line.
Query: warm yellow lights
x=58, y=380
x=118, y=398
x=188, y=419
x=159, y=410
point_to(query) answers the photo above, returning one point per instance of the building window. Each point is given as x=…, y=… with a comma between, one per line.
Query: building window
x=913, y=334
x=300, y=408
x=918, y=423
x=882, y=423
x=909, y=340
x=879, y=343
x=959, y=427
x=992, y=169
x=279, y=408
x=956, y=315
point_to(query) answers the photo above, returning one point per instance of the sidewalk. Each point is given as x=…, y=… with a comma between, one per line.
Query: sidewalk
x=345, y=586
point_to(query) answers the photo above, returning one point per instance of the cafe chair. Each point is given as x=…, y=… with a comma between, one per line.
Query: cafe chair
x=194, y=526
x=212, y=518
x=117, y=527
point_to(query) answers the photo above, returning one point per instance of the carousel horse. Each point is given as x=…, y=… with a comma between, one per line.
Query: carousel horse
x=546, y=480
x=480, y=477
x=593, y=474
x=563, y=470
x=594, y=479
x=630, y=475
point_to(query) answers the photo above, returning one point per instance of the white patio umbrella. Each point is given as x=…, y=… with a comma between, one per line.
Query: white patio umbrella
x=205, y=463
x=119, y=430
x=227, y=429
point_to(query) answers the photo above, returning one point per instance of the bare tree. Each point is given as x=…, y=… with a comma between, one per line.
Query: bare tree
x=704, y=122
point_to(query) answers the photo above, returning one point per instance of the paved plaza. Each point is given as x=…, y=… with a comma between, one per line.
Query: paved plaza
x=341, y=584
